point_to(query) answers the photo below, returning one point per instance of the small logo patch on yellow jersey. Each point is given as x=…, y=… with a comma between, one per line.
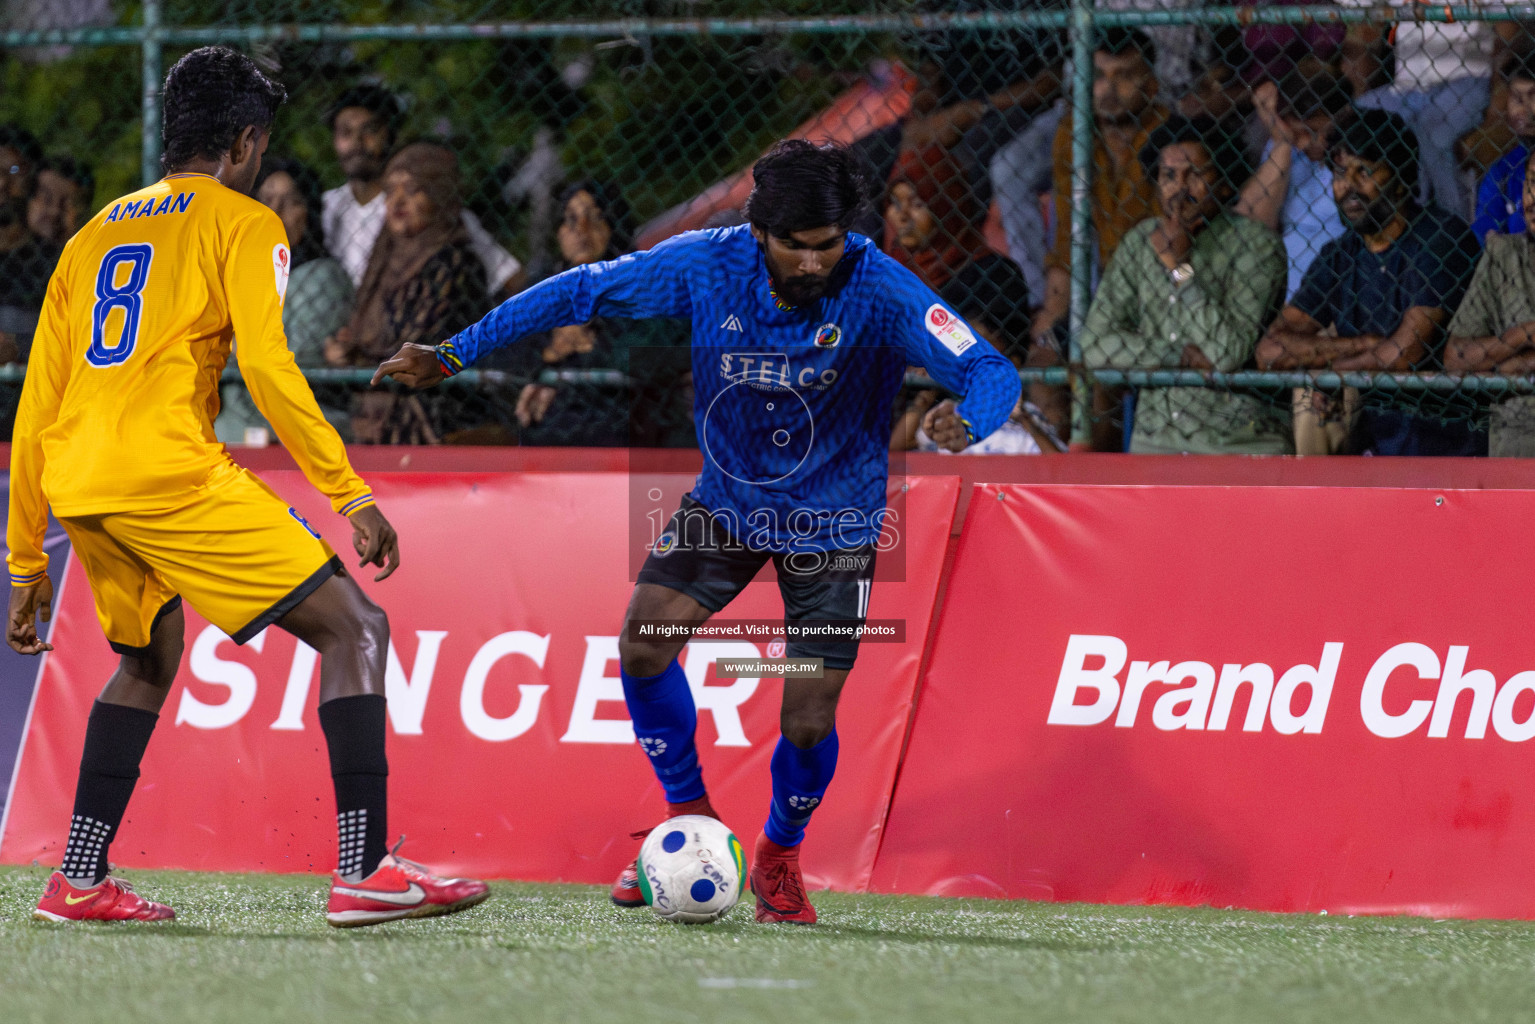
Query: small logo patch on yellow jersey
x=280, y=262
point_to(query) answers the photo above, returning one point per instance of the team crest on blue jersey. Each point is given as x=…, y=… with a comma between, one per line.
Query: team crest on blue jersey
x=827, y=336
x=665, y=544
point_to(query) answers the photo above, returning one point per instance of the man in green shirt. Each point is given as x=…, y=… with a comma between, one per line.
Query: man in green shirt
x=1192, y=289
x=1493, y=331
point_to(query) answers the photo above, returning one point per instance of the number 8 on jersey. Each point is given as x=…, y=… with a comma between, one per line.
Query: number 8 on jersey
x=128, y=297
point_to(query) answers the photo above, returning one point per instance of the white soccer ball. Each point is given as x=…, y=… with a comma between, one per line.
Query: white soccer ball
x=692, y=869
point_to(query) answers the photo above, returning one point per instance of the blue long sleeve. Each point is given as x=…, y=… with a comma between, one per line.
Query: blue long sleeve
x=938, y=339
x=990, y=388
x=637, y=286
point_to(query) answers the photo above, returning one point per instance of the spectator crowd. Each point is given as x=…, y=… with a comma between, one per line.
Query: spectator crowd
x=1270, y=198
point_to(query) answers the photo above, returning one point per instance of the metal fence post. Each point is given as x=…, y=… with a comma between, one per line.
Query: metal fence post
x=150, y=169
x=1081, y=199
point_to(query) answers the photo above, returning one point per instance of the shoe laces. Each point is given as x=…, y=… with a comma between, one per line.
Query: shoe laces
x=783, y=878
x=409, y=865
x=123, y=889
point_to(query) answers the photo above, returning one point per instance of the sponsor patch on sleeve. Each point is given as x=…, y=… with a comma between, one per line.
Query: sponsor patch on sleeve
x=949, y=329
x=280, y=264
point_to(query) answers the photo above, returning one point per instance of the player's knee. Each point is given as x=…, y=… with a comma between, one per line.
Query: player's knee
x=373, y=626
x=643, y=659
x=808, y=725
x=156, y=667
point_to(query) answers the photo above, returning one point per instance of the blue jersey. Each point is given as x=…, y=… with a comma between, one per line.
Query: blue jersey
x=792, y=405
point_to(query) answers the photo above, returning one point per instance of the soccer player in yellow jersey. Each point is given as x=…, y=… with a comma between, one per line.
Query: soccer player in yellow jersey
x=115, y=432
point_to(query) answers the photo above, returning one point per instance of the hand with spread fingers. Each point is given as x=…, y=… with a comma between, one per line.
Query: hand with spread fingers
x=414, y=365
x=29, y=605
x=375, y=541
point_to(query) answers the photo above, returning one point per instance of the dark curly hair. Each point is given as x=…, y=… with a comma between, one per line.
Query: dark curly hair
x=211, y=96
x=799, y=185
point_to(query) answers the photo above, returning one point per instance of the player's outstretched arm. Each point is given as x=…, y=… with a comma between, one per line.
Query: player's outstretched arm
x=375, y=541
x=29, y=605
x=635, y=287
x=415, y=366
x=276, y=384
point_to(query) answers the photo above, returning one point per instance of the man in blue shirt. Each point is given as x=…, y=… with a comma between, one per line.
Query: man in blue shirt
x=1500, y=199
x=1292, y=189
x=802, y=333
x=1386, y=289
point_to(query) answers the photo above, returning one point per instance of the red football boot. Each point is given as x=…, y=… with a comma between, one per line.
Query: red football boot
x=779, y=886
x=626, y=891
x=397, y=889
x=112, y=900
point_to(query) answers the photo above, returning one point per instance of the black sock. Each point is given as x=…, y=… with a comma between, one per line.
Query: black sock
x=115, y=738
x=354, y=733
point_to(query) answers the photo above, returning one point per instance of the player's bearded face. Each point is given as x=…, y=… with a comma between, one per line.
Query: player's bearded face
x=801, y=263
x=801, y=289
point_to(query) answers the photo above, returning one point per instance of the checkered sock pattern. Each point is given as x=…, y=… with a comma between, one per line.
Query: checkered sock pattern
x=354, y=734
x=85, y=854
x=352, y=833
x=115, y=738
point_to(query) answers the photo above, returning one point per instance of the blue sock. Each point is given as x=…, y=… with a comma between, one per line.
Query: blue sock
x=800, y=778
x=664, y=717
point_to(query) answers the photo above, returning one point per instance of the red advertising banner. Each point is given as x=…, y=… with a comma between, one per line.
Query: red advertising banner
x=511, y=754
x=1289, y=699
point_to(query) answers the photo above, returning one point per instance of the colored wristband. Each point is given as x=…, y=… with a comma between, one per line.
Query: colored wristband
x=27, y=581
x=448, y=358
x=357, y=503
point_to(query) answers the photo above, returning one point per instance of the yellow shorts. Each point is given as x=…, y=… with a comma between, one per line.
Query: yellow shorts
x=236, y=552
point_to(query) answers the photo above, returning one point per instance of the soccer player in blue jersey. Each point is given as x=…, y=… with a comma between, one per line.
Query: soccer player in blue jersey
x=802, y=333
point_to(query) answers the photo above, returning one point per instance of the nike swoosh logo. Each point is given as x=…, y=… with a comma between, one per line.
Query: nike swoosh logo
x=72, y=900
x=410, y=897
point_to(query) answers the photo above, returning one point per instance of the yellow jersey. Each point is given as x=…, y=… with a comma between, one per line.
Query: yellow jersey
x=122, y=385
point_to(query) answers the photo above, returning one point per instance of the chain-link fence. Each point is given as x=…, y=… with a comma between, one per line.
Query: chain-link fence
x=1226, y=228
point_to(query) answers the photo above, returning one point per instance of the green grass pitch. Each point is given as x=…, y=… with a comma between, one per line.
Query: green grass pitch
x=256, y=948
